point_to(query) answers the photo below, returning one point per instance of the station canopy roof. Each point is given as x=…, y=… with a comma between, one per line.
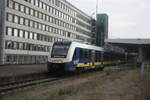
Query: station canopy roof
x=129, y=41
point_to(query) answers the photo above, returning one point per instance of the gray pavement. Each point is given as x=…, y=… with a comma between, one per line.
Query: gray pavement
x=15, y=70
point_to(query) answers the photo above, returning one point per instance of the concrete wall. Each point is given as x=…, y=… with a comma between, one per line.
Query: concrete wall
x=2, y=20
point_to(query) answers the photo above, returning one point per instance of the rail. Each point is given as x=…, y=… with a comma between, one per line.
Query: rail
x=19, y=85
x=14, y=86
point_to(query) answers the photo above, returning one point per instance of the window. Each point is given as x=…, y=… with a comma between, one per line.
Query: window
x=20, y=47
x=31, y=35
x=47, y=29
x=54, y=30
x=40, y=4
x=51, y=10
x=26, y=34
x=32, y=2
x=16, y=19
x=50, y=19
x=54, y=10
x=10, y=3
x=54, y=20
x=44, y=6
x=52, y=1
x=22, y=21
x=26, y=22
x=16, y=6
x=32, y=12
x=35, y=25
x=40, y=26
x=24, y=46
x=36, y=2
x=43, y=27
x=31, y=23
x=9, y=31
x=21, y=33
x=21, y=8
x=50, y=29
x=69, y=34
x=26, y=10
x=35, y=36
x=47, y=8
x=15, y=45
x=40, y=15
x=43, y=16
x=9, y=17
x=47, y=18
x=8, y=44
x=27, y=0
x=16, y=32
x=36, y=13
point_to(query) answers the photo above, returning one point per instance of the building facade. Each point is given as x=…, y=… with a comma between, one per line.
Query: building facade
x=101, y=29
x=29, y=27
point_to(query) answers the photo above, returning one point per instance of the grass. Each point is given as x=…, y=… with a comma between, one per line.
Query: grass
x=0, y=97
x=66, y=91
x=109, y=72
x=41, y=85
x=87, y=87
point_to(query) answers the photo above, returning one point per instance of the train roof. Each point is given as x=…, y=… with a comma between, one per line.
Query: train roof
x=81, y=45
x=87, y=46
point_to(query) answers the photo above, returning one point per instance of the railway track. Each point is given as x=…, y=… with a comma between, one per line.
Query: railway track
x=10, y=87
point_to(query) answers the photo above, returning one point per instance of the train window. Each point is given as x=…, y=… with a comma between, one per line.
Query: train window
x=60, y=49
x=81, y=54
x=89, y=54
x=85, y=54
x=98, y=56
x=93, y=55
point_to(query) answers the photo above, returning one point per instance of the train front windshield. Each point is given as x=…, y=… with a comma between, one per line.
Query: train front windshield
x=60, y=49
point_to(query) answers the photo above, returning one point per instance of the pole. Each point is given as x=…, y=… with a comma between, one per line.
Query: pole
x=96, y=6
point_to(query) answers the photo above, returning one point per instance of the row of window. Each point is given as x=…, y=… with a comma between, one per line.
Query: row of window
x=90, y=55
x=45, y=17
x=83, y=18
x=30, y=35
x=58, y=13
x=45, y=6
x=25, y=59
x=37, y=25
x=31, y=23
x=27, y=10
x=26, y=46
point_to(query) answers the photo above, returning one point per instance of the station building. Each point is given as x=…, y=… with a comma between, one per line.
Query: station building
x=138, y=48
x=29, y=27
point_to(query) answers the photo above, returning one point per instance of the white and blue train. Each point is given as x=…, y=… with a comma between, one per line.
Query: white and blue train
x=71, y=56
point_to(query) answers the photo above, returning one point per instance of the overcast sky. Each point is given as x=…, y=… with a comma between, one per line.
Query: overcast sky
x=127, y=18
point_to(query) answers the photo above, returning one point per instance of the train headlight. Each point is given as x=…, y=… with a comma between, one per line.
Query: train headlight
x=57, y=61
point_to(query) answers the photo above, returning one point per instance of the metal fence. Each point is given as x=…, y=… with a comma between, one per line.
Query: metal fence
x=145, y=71
x=23, y=59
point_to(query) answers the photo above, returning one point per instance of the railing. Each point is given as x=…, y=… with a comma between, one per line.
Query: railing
x=10, y=60
x=145, y=71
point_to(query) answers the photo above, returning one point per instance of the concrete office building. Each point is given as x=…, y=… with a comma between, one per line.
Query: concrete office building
x=29, y=27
